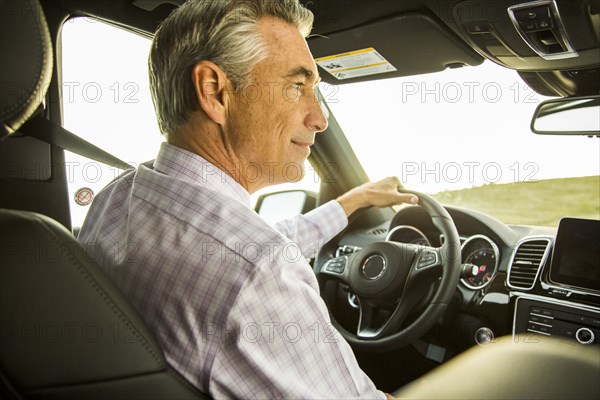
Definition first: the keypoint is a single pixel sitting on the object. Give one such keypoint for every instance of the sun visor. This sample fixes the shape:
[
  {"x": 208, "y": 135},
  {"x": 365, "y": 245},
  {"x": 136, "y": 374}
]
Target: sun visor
[{"x": 404, "y": 45}]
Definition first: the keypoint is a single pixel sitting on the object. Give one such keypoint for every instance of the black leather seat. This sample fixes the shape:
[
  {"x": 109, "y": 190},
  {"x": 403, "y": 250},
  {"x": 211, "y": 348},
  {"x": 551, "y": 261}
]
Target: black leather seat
[{"x": 66, "y": 332}]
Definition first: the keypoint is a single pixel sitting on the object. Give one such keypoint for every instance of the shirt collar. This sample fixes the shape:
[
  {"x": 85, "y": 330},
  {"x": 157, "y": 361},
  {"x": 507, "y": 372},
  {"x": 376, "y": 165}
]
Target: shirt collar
[{"x": 187, "y": 166}]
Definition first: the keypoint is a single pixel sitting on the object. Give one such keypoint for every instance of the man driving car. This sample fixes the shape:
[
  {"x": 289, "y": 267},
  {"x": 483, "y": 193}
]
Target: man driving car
[{"x": 232, "y": 299}]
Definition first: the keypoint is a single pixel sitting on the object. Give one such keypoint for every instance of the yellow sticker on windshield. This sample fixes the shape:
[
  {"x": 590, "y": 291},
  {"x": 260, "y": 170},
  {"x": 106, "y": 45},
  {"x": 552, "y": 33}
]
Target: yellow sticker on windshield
[{"x": 355, "y": 64}]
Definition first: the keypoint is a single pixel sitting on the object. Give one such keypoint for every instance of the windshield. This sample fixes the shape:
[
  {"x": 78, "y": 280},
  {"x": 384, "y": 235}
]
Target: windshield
[{"x": 463, "y": 135}]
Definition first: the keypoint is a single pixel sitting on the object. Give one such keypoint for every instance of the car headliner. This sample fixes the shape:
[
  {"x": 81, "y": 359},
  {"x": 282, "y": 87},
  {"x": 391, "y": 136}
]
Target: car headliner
[{"x": 416, "y": 36}]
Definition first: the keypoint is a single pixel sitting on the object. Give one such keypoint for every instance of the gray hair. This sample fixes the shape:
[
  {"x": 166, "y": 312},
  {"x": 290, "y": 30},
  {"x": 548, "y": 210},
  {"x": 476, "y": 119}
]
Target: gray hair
[{"x": 221, "y": 31}]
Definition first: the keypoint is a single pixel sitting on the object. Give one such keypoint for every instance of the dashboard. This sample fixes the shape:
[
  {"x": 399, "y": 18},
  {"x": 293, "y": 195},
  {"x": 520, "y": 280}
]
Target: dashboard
[
  {"x": 518, "y": 280},
  {"x": 479, "y": 254}
]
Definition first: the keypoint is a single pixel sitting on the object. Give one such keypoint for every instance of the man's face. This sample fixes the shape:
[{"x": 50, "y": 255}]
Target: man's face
[{"x": 273, "y": 122}]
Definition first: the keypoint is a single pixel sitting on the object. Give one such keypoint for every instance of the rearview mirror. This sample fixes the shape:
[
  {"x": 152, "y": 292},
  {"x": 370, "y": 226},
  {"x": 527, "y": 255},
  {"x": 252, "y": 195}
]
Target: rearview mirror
[
  {"x": 277, "y": 206},
  {"x": 568, "y": 116}
]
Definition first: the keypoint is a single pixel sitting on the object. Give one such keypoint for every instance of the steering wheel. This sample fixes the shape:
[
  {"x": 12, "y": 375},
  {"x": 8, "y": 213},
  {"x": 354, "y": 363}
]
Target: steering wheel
[{"x": 394, "y": 276}]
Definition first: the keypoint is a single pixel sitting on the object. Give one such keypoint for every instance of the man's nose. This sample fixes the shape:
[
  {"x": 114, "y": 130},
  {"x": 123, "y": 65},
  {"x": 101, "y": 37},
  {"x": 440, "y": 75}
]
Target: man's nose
[{"x": 317, "y": 119}]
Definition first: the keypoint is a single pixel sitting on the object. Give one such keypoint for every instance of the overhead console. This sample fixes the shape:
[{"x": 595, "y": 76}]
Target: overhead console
[
  {"x": 540, "y": 25},
  {"x": 542, "y": 35}
]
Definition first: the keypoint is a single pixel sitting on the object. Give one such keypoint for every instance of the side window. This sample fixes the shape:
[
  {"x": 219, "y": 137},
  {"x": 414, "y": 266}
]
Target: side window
[
  {"x": 311, "y": 181},
  {"x": 106, "y": 101}
]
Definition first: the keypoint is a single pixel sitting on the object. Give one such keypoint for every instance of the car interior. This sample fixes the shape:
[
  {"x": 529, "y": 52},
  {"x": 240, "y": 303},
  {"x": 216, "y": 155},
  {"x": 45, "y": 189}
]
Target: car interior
[{"x": 441, "y": 300}]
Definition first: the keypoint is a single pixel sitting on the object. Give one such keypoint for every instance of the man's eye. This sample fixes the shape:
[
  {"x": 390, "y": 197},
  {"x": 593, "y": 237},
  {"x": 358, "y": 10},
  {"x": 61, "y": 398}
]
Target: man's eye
[{"x": 298, "y": 85}]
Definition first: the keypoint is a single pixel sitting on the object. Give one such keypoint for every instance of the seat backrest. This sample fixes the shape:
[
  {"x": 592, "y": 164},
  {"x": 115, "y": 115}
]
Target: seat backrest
[{"x": 66, "y": 332}]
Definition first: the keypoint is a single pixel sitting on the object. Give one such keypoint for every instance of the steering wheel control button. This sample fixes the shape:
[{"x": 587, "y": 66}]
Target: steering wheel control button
[
  {"x": 336, "y": 265},
  {"x": 427, "y": 259},
  {"x": 346, "y": 249},
  {"x": 585, "y": 336},
  {"x": 373, "y": 267}
]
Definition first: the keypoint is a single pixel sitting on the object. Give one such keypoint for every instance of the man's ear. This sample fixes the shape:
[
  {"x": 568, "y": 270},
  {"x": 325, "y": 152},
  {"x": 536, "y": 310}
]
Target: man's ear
[{"x": 210, "y": 84}]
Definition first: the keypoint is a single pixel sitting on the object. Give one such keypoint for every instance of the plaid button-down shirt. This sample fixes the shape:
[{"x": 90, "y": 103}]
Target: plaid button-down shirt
[{"x": 232, "y": 299}]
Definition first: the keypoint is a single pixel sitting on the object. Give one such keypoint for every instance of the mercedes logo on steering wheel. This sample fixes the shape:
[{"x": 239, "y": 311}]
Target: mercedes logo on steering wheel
[{"x": 373, "y": 267}]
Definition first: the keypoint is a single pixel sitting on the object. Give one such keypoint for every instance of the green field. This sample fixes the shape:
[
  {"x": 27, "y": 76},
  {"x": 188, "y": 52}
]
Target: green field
[{"x": 542, "y": 202}]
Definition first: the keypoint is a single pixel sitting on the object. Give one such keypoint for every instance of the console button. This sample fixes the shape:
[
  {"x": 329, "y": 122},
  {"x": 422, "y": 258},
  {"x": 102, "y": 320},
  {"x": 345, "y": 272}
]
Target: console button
[
  {"x": 477, "y": 27},
  {"x": 583, "y": 320},
  {"x": 533, "y": 26},
  {"x": 585, "y": 336},
  {"x": 568, "y": 332},
  {"x": 540, "y": 328},
  {"x": 548, "y": 313},
  {"x": 551, "y": 40},
  {"x": 545, "y": 24},
  {"x": 533, "y": 14},
  {"x": 529, "y": 26},
  {"x": 542, "y": 320},
  {"x": 545, "y": 329}
]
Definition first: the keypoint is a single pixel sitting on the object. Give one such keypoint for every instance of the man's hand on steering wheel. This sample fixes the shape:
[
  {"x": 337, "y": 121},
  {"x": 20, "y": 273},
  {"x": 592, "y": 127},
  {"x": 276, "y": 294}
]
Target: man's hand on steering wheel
[{"x": 383, "y": 193}]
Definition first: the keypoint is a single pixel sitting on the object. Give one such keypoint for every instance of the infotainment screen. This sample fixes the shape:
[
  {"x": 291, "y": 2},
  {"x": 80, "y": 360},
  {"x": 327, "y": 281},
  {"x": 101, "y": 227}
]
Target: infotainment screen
[{"x": 576, "y": 255}]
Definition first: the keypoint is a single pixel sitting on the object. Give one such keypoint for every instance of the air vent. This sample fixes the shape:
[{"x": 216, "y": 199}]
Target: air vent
[
  {"x": 379, "y": 231},
  {"x": 526, "y": 263}
]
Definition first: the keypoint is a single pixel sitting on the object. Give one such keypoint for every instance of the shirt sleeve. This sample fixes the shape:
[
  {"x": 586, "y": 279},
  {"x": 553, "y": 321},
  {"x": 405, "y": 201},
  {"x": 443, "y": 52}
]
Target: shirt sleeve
[
  {"x": 286, "y": 346},
  {"x": 315, "y": 228}
]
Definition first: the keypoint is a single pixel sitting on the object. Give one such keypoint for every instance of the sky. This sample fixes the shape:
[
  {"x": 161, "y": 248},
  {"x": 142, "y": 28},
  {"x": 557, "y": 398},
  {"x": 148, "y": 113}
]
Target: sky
[{"x": 443, "y": 131}]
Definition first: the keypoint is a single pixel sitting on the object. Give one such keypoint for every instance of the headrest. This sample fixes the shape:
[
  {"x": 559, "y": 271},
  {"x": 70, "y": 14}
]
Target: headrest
[{"x": 25, "y": 62}]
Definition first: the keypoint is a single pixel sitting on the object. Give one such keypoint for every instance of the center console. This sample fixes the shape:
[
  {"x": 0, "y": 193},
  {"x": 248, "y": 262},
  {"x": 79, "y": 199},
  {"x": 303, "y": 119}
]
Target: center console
[
  {"x": 536, "y": 315},
  {"x": 566, "y": 299}
]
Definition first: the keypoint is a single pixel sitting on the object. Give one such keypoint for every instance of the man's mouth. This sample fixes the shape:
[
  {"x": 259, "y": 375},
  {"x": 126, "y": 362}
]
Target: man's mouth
[{"x": 303, "y": 144}]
